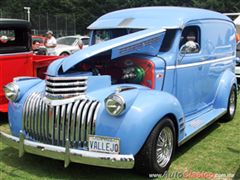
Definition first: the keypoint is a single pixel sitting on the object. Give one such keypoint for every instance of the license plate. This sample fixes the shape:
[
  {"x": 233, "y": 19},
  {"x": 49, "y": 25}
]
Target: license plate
[{"x": 104, "y": 144}]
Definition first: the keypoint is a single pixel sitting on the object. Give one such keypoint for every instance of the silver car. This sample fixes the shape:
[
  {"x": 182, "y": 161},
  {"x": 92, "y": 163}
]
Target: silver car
[{"x": 69, "y": 44}]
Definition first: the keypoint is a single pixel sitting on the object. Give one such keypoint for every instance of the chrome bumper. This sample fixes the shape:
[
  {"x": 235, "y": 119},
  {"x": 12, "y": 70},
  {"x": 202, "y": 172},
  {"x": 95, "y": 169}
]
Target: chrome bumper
[{"x": 67, "y": 154}]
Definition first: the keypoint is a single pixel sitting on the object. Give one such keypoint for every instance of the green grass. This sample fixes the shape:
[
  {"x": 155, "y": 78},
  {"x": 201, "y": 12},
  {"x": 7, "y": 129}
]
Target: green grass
[{"x": 215, "y": 150}]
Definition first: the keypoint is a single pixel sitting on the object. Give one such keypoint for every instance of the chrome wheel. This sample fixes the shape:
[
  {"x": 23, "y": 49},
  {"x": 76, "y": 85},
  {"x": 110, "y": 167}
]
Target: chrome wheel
[
  {"x": 164, "y": 146},
  {"x": 232, "y": 103}
]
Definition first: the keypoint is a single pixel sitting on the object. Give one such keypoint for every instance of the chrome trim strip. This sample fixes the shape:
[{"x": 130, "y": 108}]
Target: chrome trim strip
[
  {"x": 52, "y": 122},
  {"x": 79, "y": 120},
  {"x": 31, "y": 107},
  {"x": 200, "y": 63},
  {"x": 94, "y": 119},
  {"x": 90, "y": 118},
  {"x": 84, "y": 123},
  {"x": 62, "y": 90},
  {"x": 57, "y": 127},
  {"x": 45, "y": 122},
  {"x": 63, "y": 118},
  {"x": 77, "y": 83},
  {"x": 80, "y": 78},
  {"x": 200, "y": 129},
  {"x": 36, "y": 113},
  {"x": 40, "y": 127},
  {"x": 69, "y": 114},
  {"x": 62, "y": 101},
  {"x": 121, "y": 161},
  {"x": 25, "y": 115},
  {"x": 73, "y": 124}
]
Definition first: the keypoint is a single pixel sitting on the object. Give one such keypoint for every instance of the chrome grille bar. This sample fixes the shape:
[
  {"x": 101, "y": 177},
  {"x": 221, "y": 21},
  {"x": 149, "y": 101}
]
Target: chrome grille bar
[
  {"x": 65, "y": 87},
  {"x": 78, "y": 83},
  {"x": 78, "y": 78},
  {"x": 59, "y": 90},
  {"x": 56, "y": 124},
  {"x": 73, "y": 125}
]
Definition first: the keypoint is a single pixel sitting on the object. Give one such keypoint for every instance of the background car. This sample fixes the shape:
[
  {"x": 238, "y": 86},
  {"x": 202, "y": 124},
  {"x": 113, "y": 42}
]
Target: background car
[
  {"x": 237, "y": 69},
  {"x": 69, "y": 44},
  {"x": 16, "y": 55}
]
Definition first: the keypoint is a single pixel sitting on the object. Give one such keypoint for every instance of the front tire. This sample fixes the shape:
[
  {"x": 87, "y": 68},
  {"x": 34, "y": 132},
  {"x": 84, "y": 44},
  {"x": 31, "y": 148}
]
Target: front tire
[
  {"x": 232, "y": 104},
  {"x": 157, "y": 153}
]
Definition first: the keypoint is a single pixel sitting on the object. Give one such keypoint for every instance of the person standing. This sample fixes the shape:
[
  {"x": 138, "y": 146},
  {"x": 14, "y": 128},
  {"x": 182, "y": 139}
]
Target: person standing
[{"x": 50, "y": 43}]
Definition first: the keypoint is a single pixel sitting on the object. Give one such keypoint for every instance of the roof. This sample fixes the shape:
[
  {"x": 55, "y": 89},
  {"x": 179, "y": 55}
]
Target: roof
[
  {"x": 150, "y": 17},
  {"x": 14, "y": 23}
]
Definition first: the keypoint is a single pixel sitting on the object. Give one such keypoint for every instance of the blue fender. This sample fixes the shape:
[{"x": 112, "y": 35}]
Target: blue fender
[
  {"x": 135, "y": 125},
  {"x": 227, "y": 80},
  {"x": 15, "y": 110}
]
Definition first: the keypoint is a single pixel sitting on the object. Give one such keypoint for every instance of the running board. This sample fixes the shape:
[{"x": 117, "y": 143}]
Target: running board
[{"x": 196, "y": 125}]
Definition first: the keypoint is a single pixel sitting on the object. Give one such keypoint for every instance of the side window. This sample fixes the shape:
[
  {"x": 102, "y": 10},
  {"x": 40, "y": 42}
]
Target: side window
[
  {"x": 85, "y": 41},
  {"x": 168, "y": 40},
  {"x": 190, "y": 40}
]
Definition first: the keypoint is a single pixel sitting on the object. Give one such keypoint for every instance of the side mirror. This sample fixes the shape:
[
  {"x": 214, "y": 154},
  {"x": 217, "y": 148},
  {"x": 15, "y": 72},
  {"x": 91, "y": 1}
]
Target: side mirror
[{"x": 189, "y": 47}]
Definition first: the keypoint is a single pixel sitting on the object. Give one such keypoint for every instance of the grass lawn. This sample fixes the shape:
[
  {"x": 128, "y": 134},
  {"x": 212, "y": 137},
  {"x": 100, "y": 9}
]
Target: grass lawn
[{"x": 215, "y": 150}]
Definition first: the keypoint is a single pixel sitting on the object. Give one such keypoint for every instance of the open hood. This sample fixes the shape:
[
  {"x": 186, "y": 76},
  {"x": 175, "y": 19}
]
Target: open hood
[{"x": 146, "y": 42}]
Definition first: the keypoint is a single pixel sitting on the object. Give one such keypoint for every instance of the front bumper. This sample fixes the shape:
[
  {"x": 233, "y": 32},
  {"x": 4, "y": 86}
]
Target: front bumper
[{"x": 67, "y": 154}]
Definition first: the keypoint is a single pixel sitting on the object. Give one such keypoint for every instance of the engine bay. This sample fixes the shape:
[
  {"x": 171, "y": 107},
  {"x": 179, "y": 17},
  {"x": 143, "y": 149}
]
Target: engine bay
[{"x": 122, "y": 70}]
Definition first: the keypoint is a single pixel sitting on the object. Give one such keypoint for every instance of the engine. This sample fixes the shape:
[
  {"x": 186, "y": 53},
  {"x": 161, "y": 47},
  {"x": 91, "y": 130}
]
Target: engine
[{"x": 124, "y": 70}]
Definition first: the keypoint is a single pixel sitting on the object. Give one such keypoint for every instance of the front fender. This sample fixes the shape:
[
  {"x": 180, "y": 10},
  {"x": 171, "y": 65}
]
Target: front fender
[
  {"x": 15, "y": 110},
  {"x": 134, "y": 126}
]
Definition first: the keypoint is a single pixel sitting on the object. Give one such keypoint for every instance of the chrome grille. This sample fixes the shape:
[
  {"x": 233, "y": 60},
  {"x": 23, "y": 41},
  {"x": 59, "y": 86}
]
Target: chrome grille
[
  {"x": 54, "y": 125},
  {"x": 65, "y": 87}
]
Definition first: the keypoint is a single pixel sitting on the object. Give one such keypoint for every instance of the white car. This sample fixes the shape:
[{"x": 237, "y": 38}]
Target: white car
[{"x": 69, "y": 44}]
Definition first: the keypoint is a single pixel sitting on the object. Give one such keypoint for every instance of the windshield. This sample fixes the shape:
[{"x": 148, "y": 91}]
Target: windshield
[
  {"x": 66, "y": 41},
  {"x": 40, "y": 40},
  {"x": 107, "y": 34},
  {"x": 14, "y": 40}
]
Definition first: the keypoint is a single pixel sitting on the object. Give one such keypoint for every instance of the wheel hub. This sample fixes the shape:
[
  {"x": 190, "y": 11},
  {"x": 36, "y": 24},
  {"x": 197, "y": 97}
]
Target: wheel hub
[{"x": 164, "y": 146}]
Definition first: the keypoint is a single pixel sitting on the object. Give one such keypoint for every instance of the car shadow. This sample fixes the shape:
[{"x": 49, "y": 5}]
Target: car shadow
[
  {"x": 50, "y": 168},
  {"x": 3, "y": 118},
  {"x": 196, "y": 139},
  {"x": 45, "y": 167}
]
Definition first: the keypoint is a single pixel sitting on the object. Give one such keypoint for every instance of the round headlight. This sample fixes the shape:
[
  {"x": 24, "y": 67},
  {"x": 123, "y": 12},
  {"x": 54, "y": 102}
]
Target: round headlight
[
  {"x": 11, "y": 91},
  {"x": 115, "y": 104}
]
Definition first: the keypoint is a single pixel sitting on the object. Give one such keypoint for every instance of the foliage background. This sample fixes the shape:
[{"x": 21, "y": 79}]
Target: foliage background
[{"x": 67, "y": 15}]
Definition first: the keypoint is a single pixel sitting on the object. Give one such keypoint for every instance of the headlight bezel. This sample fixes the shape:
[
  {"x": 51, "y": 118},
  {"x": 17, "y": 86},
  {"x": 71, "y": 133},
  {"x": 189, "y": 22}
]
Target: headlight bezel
[
  {"x": 119, "y": 102},
  {"x": 11, "y": 91}
]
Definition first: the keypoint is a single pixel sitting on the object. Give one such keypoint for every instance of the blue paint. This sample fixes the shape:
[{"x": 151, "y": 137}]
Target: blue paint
[{"x": 193, "y": 88}]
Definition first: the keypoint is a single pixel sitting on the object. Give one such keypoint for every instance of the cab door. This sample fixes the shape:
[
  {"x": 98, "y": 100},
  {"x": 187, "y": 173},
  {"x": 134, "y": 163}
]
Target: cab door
[{"x": 189, "y": 73}]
